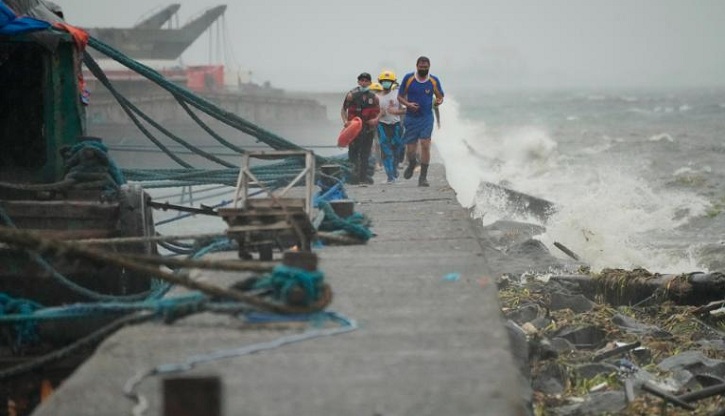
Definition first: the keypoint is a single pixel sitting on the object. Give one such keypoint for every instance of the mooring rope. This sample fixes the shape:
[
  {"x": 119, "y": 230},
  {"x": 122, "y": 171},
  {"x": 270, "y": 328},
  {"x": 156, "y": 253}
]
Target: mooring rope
[{"x": 140, "y": 401}]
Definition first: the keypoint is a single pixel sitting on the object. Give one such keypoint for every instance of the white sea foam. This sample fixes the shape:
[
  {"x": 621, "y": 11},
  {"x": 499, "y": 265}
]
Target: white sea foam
[
  {"x": 683, "y": 171},
  {"x": 662, "y": 136},
  {"x": 604, "y": 208},
  {"x": 638, "y": 110}
]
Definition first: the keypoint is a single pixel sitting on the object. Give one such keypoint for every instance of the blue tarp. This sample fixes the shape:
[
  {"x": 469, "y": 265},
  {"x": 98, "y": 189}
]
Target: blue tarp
[{"x": 11, "y": 24}]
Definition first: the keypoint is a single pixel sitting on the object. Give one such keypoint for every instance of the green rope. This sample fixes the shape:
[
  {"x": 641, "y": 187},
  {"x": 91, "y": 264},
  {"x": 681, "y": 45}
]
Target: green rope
[
  {"x": 356, "y": 224},
  {"x": 85, "y": 169},
  {"x": 284, "y": 279},
  {"x": 188, "y": 99},
  {"x": 206, "y": 127},
  {"x": 125, "y": 102},
  {"x": 101, "y": 76},
  {"x": 161, "y": 178},
  {"x": 202, "y": 104}
]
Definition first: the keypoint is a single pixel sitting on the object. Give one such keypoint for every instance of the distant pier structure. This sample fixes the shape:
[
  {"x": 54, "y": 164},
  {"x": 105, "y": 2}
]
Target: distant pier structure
[{"x": 150, "y": 42}]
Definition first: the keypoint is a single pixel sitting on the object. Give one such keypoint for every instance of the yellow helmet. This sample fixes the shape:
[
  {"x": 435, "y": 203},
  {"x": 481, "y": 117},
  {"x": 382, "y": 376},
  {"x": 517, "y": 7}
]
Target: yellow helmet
[
  {"x": 375, "y": 86},
  {"x": 387, "y": 76}
]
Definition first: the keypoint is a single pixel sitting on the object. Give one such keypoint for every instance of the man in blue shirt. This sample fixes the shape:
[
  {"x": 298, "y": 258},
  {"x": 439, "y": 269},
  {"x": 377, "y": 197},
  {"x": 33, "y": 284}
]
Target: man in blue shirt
[{"x": 417, "y": 93}]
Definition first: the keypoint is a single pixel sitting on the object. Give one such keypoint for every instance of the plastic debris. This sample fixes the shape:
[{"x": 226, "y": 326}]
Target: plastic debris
[{"x": 452, "y": 277}]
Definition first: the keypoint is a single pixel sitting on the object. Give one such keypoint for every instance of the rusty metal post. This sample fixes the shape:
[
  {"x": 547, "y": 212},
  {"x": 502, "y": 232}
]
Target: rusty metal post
[
  {"x": 192, "y": 396},
  {"x": 309, "y": 182},
  {"x": 305, "y": 260},
  {"x": 343, "y": 207},
  {"x": 331, "y": 170},
  {"x": 300, "y": 259}
]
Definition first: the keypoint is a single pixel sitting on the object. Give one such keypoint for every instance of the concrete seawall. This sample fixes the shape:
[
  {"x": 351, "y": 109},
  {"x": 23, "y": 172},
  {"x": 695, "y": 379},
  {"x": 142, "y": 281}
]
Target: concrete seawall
[{"x": 426, "y": 345}]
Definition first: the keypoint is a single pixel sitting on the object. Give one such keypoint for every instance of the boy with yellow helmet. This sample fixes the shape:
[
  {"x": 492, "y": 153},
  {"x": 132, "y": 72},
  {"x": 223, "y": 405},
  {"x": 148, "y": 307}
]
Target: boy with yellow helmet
[
  {"x": 389, "y": 127},
  {"x": 376, "y": 88}
]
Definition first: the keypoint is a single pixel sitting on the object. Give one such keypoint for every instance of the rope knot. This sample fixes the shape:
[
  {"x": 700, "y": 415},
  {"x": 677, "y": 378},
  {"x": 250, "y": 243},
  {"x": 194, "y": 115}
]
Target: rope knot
[{"x": 292, "y": 285}]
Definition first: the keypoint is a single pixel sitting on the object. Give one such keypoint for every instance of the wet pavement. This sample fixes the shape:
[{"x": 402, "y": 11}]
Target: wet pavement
[{"x": 430, "y": 339}]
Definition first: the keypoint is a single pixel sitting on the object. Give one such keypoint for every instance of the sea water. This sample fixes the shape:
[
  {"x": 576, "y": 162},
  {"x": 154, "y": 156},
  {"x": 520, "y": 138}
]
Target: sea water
[{"x": 636, "y": 176}]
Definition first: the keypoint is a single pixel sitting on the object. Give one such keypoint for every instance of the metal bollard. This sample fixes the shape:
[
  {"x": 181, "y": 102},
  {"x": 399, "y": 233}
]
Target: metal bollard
[
  {"x": 343, "y": 207},
  {"x": 302, "y": 260},
  {"x": 192, "y": 396}
]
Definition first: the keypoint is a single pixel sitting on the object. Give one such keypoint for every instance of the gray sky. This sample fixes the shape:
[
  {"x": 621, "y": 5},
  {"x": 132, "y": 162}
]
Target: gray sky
[{"x": 324, "y": 44}]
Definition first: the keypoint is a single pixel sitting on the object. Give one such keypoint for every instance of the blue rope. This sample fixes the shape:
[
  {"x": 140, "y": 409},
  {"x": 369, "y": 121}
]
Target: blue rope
[
  {"x": 26, "y": 330},
  {"x": 221, "y": 244},
  {"x": 129, "y": 389},
  {"x": 162, "y": 307},
  {"x": 333, "y": 193}
]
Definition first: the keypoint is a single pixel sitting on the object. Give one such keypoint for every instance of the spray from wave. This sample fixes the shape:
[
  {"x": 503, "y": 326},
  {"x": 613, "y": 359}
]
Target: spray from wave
[{"x": 605, "y": 211}]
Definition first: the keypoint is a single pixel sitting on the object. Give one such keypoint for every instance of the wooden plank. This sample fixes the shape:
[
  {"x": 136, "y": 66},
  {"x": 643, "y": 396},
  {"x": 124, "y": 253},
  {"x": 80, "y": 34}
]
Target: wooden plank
[
  {"x": 76, "y": 234},
  {"x": 288, "y": 203},
  {"x": 281, "y": 225},
  {"x": 261, "y": 209},
  {"x": 263, "y": 215},
  {"x": 60, "y": 209}
]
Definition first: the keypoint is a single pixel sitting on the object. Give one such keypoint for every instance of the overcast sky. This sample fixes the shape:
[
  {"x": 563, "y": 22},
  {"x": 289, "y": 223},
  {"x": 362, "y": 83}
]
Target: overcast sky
[{"x": 324, "y": 44}]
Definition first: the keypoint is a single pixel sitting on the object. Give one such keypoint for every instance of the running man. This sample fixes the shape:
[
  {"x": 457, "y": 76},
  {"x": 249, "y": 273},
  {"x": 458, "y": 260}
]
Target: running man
[{"x": 416, "y": 93}]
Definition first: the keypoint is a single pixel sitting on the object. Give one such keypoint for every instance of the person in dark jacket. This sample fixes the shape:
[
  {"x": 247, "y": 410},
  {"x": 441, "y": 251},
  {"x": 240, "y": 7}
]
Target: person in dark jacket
[{"x": 361, "y": 102}]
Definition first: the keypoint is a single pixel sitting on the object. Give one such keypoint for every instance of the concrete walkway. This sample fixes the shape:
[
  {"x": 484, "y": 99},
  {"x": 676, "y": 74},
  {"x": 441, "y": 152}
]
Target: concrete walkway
[{"x": 425, "y": 345}]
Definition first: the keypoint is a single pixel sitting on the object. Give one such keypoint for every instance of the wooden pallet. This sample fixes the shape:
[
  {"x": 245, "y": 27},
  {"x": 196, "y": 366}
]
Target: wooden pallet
[
  {"x": 275, "y": 220},
  {"x": 264, "y": 226}
]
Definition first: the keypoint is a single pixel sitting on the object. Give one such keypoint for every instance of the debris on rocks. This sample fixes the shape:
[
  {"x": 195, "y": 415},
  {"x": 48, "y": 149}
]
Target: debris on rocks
[{"x": 619, "y": 342}]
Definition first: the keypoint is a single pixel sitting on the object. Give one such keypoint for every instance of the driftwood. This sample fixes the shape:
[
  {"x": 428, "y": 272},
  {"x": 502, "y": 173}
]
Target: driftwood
[
  {"x": 703, "y": 393},
  {"x": 629, "y": 390},
  {"x": 648, "y": 387},
  {"x": 616, "y": 351},
  {"x": 566, "y": 250},
  {"x": 620, "y": 287}
]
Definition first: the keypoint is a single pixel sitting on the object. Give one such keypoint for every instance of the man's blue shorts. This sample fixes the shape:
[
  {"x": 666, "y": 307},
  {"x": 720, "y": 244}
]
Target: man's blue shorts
[{"x": 417, "y": 128}]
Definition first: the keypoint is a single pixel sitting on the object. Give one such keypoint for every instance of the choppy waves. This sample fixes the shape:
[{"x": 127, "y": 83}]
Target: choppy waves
[{"x": 612, "y": 195}]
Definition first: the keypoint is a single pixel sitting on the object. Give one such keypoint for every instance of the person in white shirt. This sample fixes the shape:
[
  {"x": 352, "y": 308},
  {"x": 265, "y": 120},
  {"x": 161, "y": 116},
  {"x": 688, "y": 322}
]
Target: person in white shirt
[{"x": 389, "y": 126}]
